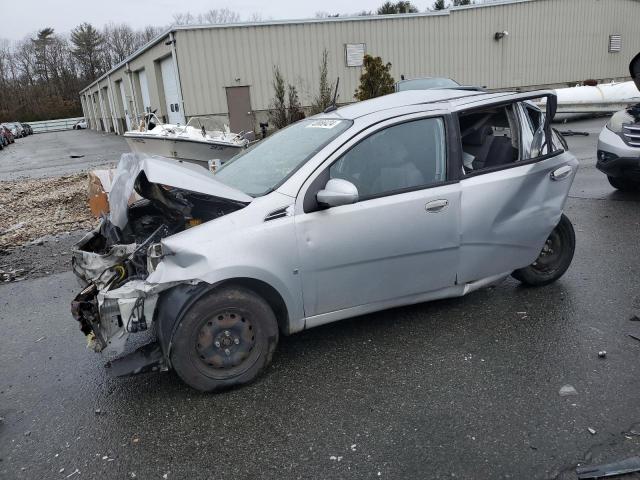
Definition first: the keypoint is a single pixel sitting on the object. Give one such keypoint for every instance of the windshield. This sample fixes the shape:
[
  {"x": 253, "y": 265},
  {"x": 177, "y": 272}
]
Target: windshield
[
  {"x": 426, "y": 84},
  {"x": 261, "y": 168}
]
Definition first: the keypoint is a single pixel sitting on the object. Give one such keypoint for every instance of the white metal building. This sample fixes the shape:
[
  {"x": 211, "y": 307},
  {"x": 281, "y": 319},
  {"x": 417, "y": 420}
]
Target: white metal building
[{"x": 227, "y": 70}]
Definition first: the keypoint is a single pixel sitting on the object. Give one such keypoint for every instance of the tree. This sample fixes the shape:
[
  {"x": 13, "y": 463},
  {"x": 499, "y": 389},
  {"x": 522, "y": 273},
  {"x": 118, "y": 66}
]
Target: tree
[
  {"x": 390, "y": 8},
  {"x": 278, "y": 111},
  {"x": 42, "y": 41},
  {"x": 294, "y": 110},
  {"x": 88, "y": 44},
  {"x": 323, "y": 98},
  {"x": 376, "y": 79},
  {"x": 439, "y": 5},
  {"x": 459, "y": 3},
  {"x": 120, "y": 42}
]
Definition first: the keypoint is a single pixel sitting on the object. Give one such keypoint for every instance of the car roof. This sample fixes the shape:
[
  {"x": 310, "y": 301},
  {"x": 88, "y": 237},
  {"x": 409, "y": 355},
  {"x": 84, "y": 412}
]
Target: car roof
[{"x": 433, "y": 99}]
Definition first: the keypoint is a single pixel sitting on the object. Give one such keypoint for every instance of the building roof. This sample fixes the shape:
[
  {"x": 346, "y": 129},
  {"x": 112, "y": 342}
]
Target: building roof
[{"x": 360, "y": 18}]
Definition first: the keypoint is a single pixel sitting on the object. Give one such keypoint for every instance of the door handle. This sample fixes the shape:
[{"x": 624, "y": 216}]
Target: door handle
[
  {"x": 436, "y": 205},
  {"x": 561, "y": 173}
]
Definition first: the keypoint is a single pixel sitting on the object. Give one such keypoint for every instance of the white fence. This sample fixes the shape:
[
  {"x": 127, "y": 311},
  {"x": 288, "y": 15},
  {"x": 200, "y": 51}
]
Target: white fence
[{"x": 54, "y": 125}]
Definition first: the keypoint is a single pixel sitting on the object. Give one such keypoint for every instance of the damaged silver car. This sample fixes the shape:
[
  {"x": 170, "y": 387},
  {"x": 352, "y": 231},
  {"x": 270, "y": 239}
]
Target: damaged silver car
[{"x": 406, "y": 198}]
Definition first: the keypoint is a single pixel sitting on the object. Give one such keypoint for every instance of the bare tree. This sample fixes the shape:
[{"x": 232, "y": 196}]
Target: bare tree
[
  {"x": 219, "y": 15},
  {"x": 183, "y": 19},
  {"x": 120, "y": 42},
  {"x": 278, "y": 110},
  {"x": 323, "y": 98}
]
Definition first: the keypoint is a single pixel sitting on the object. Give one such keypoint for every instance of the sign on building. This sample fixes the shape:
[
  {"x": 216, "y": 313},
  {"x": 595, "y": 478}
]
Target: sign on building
[{"x": 355, "y": 54}]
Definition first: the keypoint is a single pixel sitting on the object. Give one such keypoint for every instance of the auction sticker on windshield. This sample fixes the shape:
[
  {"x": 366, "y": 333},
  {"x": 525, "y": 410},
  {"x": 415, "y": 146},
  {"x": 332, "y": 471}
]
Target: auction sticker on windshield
[{"x": 323, "y": 124}]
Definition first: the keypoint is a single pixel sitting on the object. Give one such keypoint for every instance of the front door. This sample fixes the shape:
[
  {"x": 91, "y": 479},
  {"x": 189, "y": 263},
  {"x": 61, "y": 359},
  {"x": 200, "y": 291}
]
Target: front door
[
  {"x": 400, "y": 239},
  {"x": 239, "y": 105}
]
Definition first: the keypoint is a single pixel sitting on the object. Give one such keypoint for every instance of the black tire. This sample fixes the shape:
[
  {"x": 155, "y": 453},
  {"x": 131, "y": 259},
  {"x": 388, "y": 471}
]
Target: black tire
[
  {"x": 227, "y": 338},
  {"x": 554, "y": 258},
  {"x": 623, "y": 184}
]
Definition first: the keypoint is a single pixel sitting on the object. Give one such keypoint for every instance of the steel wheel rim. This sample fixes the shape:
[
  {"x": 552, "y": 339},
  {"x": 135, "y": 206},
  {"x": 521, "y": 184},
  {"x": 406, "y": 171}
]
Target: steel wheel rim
[
  {"x": 547, "y": 261},
  {"x": 225, "y": 343}
]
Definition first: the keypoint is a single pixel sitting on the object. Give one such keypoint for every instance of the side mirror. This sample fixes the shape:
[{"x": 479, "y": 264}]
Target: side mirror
[{"x": 337, "y": 192}]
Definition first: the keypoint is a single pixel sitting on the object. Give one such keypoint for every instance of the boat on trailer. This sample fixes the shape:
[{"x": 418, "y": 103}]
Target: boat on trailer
[{"x": 191, "y": 142}]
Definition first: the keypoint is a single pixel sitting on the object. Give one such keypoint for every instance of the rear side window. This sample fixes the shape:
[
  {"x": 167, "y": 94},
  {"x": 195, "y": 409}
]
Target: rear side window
[
  {"x": 401, "y": 157},
  {"x": 490, "y": 138}
]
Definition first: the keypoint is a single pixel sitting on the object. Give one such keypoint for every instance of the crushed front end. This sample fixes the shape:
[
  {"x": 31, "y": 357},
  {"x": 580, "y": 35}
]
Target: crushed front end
[{"x": 114, "y": 260}]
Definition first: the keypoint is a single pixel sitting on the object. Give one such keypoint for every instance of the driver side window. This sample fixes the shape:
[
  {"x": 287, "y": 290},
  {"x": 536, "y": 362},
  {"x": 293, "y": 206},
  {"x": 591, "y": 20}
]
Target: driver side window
[{"x": 398, "y": 158}]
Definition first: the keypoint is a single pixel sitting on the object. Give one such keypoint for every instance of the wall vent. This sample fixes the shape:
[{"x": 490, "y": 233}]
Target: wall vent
[{"x": 615, "y": 43}]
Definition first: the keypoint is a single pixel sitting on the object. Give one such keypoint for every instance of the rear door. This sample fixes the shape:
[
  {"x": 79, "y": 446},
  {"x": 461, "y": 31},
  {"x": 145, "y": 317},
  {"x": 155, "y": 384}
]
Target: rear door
[{"x": 509, "y": 208}]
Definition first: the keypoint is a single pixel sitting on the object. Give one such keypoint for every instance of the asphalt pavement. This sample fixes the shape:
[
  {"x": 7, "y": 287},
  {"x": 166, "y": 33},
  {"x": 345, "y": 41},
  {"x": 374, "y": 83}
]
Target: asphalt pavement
[
  {"x": 459, "y": 388},
  {"x": 60, "y": 153}
]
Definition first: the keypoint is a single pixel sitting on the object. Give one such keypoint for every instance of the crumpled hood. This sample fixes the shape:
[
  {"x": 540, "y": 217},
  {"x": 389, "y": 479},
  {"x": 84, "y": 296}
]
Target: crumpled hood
[{"x": 163, "y": 171}]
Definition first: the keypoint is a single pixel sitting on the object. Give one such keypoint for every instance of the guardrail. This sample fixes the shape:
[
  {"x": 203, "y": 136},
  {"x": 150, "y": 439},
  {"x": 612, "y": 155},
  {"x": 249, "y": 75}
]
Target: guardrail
[{"x": 54, "y": 125}]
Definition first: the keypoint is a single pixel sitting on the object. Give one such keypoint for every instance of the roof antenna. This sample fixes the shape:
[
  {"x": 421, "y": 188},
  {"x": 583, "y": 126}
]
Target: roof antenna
[{"x": 333, "y": 105}]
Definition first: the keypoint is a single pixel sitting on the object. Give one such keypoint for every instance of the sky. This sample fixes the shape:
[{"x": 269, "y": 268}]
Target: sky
[{"x": 63, "y": 15}]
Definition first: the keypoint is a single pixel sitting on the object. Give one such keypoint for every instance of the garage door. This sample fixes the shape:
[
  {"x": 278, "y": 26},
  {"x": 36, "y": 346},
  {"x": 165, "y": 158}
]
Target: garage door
[
  {"x": 144, "y": 90},
  {"x": 171, "y": 97},
  {"x": 124, "y": 103}
]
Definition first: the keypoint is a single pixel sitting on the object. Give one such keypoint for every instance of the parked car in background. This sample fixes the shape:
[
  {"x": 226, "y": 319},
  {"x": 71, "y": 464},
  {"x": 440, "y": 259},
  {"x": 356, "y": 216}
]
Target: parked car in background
[
  {"x": 21, "y": 131},
  {"x": 13, "y": 128},
  {"x": 81, "y": 125},
  {"x": 619, "y": 143},
  {"x": 405, "y": 198},
  {"x": 425, "y": 83},
  {"x": 27, "y": 128},
  {"x": 8, "y": 134},
  {"x": 4, "y": 141}
]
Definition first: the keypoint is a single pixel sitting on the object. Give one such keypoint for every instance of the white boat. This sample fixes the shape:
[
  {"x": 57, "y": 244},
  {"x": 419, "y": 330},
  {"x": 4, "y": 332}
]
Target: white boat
[
  {"x": 605, "y": 98},
  {"x": 188, "y": 142}
]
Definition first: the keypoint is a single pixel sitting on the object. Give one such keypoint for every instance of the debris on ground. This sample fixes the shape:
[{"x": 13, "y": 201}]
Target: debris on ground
[
  {"x": 39, "y": 207},
  {"x": 634, "y": 318},
  {"x": 630, "y": 465},
  {"x": 11, "y": 275},
  {"x": 592, "y": 431},
  {"x": 634, "y": 337},
  {"x": 602, "y": 354},
  {"x": 567, "y": 390}
]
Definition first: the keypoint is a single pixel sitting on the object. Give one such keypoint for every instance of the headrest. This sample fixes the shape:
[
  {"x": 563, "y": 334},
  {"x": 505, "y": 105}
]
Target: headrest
[{"x": 478, "y": 137}]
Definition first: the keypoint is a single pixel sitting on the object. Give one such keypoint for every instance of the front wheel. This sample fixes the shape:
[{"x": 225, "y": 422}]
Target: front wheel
[
  {"x": 623, "y": 184},
  {"x": 554, "y": 259},
  {"x": 227, "y": 338}
]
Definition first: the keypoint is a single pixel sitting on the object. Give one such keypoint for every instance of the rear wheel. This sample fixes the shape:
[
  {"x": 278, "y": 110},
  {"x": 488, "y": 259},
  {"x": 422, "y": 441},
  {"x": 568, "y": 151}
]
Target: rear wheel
[
  {"x": 225, "y": 339},
  {"x": 554, "y": 259},
  {"x": 623, "y": 184}
]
